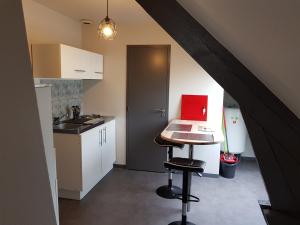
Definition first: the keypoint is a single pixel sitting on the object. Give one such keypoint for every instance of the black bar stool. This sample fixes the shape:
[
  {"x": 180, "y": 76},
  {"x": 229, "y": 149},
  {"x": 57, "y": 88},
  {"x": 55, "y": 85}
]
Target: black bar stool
[
  {"x": 168, "y": 191},
  {"x": 186, "y": 166}
]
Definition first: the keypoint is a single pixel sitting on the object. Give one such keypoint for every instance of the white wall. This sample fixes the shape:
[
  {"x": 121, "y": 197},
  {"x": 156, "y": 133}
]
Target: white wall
[
  {"x": 44, "y": 25},
  {"x": 109, "y": 96},
  {"x": 263, "y": 35}
]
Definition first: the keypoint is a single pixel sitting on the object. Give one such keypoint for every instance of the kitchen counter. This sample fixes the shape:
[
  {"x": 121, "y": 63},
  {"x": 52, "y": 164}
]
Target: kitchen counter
[{"x": 70, "y": 128}]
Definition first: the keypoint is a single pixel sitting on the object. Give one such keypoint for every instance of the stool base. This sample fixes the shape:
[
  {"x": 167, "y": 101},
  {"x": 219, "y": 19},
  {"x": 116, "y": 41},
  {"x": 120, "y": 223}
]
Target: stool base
[
  {"x": 180, "y": 223},
  {"x": 167, "y": 192}
]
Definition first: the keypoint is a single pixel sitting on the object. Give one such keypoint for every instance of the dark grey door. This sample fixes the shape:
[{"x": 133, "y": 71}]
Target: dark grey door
[{"x": 148, "y": 69}]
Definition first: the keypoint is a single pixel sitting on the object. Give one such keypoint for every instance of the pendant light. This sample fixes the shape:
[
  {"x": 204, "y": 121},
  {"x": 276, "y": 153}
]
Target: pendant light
[{"x": 107, "y": 28}]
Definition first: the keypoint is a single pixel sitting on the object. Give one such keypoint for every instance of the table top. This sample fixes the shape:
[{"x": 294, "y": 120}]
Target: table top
[{"x": 192, "y": 132}]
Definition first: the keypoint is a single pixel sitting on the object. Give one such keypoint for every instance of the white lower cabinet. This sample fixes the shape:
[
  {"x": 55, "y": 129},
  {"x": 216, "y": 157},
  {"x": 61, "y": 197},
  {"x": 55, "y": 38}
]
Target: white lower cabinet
[
  {"x": 91, "y": 158},
  {"x": 108, "y": 147},
  {"x": 83, "y": 160}
]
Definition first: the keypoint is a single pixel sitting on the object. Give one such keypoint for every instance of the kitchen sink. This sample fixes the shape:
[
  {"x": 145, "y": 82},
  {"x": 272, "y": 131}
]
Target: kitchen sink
[
  {"x": 67, "y": 126},
  {"x": 77, "y": 121},
  {"x": 82, "y": 119}
]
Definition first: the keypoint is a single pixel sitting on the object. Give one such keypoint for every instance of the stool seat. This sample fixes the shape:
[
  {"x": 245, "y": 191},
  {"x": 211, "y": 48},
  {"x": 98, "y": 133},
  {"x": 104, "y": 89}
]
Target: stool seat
[
  {"x": 187, "y": 166},
  {"x": 183, "y": 164},
  {"x": 168, "y": 191},
  {"x": 164, "y": 143}
]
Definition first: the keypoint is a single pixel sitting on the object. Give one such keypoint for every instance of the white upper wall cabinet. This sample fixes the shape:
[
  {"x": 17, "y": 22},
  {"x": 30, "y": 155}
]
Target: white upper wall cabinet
[{"x": 63, "y": 61}]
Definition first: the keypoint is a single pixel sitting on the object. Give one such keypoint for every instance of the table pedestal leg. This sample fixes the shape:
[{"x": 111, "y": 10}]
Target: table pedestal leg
[{"x": 191, "y": 156}]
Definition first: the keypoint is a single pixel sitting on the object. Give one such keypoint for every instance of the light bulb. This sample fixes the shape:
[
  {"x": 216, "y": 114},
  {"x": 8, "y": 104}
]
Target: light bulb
[{"x": 107, "y": 31}]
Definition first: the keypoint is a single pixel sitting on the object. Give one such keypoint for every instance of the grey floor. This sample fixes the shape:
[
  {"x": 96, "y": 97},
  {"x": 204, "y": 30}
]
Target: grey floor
[{"x": 126, "y": 197}]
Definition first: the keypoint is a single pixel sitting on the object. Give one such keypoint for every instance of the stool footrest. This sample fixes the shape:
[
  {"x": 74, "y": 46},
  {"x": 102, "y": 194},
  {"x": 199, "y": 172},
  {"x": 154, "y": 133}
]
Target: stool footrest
[
  {"x": 191, "y": 198},
  {"x": 184, "y": 164},
  {"x": 181, "y": 223},
  {"x": 199, "y": 174}
]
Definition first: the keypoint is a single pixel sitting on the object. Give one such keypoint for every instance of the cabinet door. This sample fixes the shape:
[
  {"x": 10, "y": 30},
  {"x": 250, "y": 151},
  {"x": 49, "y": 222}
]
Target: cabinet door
[
  {"x": 109, "y": 147},
  {"x": 96, "y": 65},
  {"x": 73, "y": 63},
  {"x": 91, "y": 158}
]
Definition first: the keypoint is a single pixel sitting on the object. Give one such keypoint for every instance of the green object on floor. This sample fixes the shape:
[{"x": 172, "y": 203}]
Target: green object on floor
[{"x": 225, "y": 134}]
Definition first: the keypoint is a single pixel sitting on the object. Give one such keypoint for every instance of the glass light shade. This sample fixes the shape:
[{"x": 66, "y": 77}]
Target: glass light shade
[{"x": 107, "y": 29}]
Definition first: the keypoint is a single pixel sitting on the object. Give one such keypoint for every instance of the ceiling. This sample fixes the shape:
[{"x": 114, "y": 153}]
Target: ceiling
[{"x": 121, "y": 11}]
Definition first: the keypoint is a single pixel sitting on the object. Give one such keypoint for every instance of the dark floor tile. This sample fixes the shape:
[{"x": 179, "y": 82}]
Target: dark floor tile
[{"x": 126, "y": 197}]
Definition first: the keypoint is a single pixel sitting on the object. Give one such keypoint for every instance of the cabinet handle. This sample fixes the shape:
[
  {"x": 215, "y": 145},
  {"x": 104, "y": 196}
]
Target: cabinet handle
[
  {"x": 82, "y": 71},
  {"x": 101, "y": 138},
  {"x": 98, "y": 72},
  {"x": 104, "y": 134}
]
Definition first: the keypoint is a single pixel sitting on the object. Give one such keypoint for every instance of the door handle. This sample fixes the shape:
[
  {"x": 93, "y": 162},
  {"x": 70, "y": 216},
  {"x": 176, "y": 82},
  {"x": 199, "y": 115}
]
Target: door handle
[{"x": 162, "y": 111}]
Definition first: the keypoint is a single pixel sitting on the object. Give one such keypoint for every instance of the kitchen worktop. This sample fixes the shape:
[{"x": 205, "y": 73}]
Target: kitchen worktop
[{"x": 70, "y": 128}]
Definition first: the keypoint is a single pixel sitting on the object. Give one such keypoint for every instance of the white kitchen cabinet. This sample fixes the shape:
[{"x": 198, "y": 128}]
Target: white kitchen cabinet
[
  {"x": 63, "y": 61},
  {"x": 91, "y": 158},
  {"x": 108, "y": 147},
  {"x": 73, "y": 62},
  {"x": 43, "y": 96},
  {"x": 96, "y": 67},
  {"x": 84, "y": 159}
]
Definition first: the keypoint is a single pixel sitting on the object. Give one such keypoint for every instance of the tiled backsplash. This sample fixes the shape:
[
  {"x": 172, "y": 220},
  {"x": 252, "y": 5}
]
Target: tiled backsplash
[{"x": 65, "y": 94}]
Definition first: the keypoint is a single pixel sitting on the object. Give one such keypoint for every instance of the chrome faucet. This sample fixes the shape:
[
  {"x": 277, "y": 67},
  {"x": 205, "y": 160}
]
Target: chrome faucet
[{"x": 56, "y": 120}]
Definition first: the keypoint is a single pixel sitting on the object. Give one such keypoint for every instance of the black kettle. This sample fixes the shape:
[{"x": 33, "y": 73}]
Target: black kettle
[{"x": 76, "y": 112}]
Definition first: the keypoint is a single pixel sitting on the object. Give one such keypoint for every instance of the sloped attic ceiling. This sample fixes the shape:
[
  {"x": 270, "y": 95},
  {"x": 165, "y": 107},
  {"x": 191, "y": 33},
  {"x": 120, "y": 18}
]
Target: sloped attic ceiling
[{"x": 263, "y": 35}]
